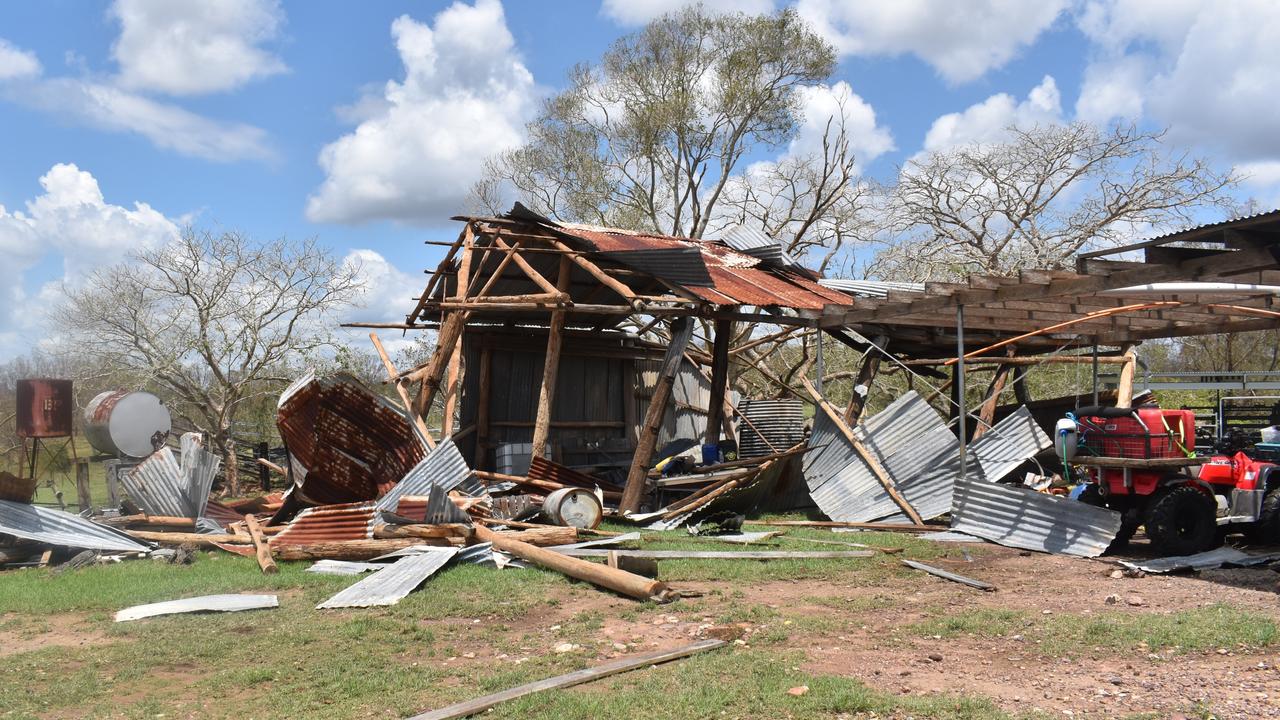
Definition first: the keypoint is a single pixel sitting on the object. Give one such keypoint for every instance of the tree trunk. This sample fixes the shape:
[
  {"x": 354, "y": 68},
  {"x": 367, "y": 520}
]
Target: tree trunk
[{"x": 231, "y": 469}]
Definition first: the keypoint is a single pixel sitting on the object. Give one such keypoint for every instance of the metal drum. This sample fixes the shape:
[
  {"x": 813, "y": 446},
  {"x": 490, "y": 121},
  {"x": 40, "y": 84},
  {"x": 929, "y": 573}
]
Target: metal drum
[
  {"x": 573, "y": 507},
  {"x": 44, "y": 408},
  {"x": 126, "y": 424}
]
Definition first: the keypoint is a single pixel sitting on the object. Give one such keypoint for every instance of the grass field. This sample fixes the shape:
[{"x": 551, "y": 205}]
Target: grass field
[{"x": 472, "y": 630}]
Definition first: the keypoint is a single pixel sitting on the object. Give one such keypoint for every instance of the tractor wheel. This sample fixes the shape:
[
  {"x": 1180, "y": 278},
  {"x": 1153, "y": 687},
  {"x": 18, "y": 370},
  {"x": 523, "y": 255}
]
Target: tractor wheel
[
  {"x": 1182, "y": 521},
  {"x": 1266, "y": 531},
  {"x": 1092, "y": 495}
]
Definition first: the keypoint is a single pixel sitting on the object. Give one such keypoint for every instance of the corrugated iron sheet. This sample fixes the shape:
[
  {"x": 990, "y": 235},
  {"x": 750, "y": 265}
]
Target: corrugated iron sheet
[
  {"x": 1218, "y": 557},
  {"x": 1022, "y": 518},
  {"x": 441, "y": 509},
  {"x": 870, "y": 288},
  {"x": 754, "y": 242},
  {"x": 163, "y": 485},
  {"x": 330, "y": 523},
  {"x": 62, "y": 529},
  {"x": 681, "y": 266},
  {"x": 391, "y": 584},
  {"x": 205, "y": 603},
  {"x": 918, "y": 451},
  {"x": 740, "y": 500},
  {"x": 343, "y": 567},
  {"x": 1009, "y": 443},
  {"x": 840, "y": 482},
  {"x": 736, "y": 278},
  {"x": 444, "y": 468},
  {"x": 353, "y": 444},
  {"x": 540, "y": 468},
  {"x": 776, "y": 423}
]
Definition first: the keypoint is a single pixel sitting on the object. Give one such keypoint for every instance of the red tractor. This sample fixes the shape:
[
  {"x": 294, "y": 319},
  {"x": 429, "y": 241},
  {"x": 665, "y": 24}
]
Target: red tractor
[{"x": 1140, "y": 462}]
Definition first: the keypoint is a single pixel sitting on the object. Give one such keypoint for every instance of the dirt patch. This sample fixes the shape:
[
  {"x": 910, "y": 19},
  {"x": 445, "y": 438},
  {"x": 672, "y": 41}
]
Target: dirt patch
[{"x": 24, "y": 633}]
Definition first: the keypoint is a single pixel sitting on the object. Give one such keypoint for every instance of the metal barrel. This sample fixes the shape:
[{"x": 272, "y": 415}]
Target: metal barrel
[
  {"x": 573, "y": 507},
  {"x": 126, "y": 423}
]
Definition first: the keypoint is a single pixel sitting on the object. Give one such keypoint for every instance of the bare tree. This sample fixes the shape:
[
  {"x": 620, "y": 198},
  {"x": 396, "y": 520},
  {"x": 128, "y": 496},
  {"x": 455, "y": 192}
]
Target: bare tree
[
  {"x": 651, "y": 137},
  {"x": 209, "y": 319},
  {"x": 1037, "y": 199}
]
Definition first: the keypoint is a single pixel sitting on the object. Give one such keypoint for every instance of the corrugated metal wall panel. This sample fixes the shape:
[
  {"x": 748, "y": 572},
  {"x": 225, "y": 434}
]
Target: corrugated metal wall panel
[
  {"x": 779, "y": 423},
  {"x": 54, "y": 527},
  {"x": 1009, "y": 443},
  {"x": 1022, "y": 518}
]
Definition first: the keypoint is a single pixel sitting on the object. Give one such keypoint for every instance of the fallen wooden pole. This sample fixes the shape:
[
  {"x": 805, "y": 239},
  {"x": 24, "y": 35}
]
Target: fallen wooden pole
[
  {"x": 184, "y": 538},
  {"x": 346, "y": 549},
  {"x": 885, "y": 527},
  {"x": 620, "y": 581},
  {"x": 156, "y": 520},
  {"x": 480, "y": 704},
  {"x": 947, "y": 575},
  {"x": 720, "y": 554},
  {"x": 261, "y": 549}
]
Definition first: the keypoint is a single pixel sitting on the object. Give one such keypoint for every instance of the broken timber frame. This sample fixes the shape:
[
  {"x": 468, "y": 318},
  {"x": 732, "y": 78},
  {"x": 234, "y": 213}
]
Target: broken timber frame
[{"x": 681, "y": 331}]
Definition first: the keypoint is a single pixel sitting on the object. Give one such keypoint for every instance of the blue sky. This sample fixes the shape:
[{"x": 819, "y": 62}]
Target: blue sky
[{"x": 363, "y": 124}]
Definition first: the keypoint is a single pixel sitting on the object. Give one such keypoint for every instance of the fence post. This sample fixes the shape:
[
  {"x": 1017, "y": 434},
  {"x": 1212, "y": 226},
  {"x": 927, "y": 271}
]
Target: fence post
[
  {"x": 264, "y": 475},
  {"x": 82, "y": 485},
  {"x": 113, "y": 480}
]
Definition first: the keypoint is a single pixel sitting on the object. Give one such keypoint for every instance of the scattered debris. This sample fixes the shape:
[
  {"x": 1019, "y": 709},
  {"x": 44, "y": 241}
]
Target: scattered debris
[
  {"x": 720, "y": 554},
  {"x": 62, "y": 529},
  {"x": 344, "y": 567},
  {"x": 479, "y": 705},
  {"x": 1220, "y": 557},
  {"x": 953, "y": 577},
  {"x": 798, "y": 690},
  {"x": 204, "y": 603}
]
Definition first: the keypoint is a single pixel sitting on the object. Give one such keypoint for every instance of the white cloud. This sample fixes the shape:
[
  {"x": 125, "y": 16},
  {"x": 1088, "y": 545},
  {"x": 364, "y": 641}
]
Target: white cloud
[
  {"x": 72, "y": 219},
  {"x": 639, "y": 12},
  {"x": 387, "y": 296},
  {"x": 987, "y": 121},
  {"x": 1205, "y": 69},
  {"x": 187, "y": 48},
  {"x": 16, "y": 62},
  {"x": 166, "y": 125},
  {"x": 821, "y": 103},
  {"x": 466, "y": 95},
  {"x": 961, "y": 40}
]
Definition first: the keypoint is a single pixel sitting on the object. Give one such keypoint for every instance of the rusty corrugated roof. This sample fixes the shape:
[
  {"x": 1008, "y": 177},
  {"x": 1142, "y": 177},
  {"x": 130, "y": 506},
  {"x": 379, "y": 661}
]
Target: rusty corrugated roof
[
  {"x": 331, "y": 523},
  {"x": 353, "y": 444},
  {"x": 736, "y": 278}
]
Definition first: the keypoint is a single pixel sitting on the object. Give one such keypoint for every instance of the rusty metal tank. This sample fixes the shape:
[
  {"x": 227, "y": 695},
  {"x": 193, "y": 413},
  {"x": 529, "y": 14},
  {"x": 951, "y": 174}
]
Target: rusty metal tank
[
  {"x": 45, "y": 408},
  {"x": 126, "y": 423}
]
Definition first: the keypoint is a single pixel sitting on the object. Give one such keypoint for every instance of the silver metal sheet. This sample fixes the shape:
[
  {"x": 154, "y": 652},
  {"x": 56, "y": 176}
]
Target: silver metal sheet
[
  {"x": 1009, "y": 443},
  {"x": 343, "y": 567},
  {"x": 600, "y": 542},
  {"x": 1021, "y": 518},
  {"x": 840, "y": 482},
  {"x": 1217, "y": 557},
  {"x": 164, "y": 485},
  {"x": 62, "y": 529},
  {"x": 391, "y": 584},
  {"x": 754, "y": 242},
  {"x": 444, "y": 468},
  {"x": 870, "y": 288},
  {"x": 204, "y": 603}
]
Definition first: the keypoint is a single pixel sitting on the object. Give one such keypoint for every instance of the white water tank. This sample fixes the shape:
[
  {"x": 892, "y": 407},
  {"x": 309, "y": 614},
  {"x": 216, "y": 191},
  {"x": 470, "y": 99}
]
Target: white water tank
[{"x": 126, "y": 423}]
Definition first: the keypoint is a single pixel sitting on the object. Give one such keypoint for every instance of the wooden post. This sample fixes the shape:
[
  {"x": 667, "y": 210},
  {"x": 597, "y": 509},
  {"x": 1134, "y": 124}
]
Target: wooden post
[
  {"x": 1124, "y": 393},
  {"x": 82, "y": 486},
  {"x": 551, "y": 366},
  {"x": 870, "y": 459},
  {"x": 113, "y": 483},
  {"x": 866, "y": 373},
  {"x": 987, "y": 412},
  {"x": 400, "y": 388},
  {"x": 681, "y": 331},
  {"x": 260, "y": 546},
  {"x": 455, "y": 358},
  {"x": 264, "y": 473},
  {"x": 482, "y": 409},
  {"x": 719, "y": 379}
]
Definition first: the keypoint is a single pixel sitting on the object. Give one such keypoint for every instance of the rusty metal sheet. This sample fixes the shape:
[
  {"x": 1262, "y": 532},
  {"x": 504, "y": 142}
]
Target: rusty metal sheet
[
  {"x": 330, "y": 523},
  {"x": 541, "y": 468},
  {"x": 736, "y": 278},
  {"x": 352, "y": 444}
]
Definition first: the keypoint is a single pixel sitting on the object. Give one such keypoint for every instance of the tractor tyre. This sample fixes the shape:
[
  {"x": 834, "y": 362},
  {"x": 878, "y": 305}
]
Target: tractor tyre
[
  {"x": 1092, "y": 495},
  {"x": 1266, "y": 530},
  {"x": 1182, "y": 521}
]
